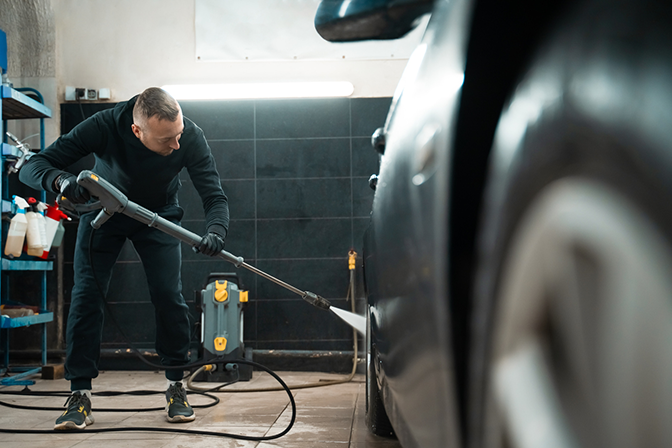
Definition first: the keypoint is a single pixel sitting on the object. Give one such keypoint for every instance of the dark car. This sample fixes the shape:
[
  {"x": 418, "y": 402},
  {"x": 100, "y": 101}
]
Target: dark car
[{"x": 518, "y": 264}]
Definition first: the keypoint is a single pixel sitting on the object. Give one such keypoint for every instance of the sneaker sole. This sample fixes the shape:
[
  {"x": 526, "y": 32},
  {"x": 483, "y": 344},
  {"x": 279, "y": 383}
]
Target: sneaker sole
[
  {"x": 71, "y": 426},
  {"x": 181, "y": 418}
]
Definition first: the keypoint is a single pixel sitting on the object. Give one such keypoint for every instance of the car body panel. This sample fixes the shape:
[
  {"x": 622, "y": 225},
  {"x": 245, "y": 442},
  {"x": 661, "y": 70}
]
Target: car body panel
[{"x": 409, "y": 236}]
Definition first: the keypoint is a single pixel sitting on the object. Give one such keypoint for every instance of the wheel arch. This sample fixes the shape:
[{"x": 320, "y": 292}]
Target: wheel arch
[{"x": 503, "y": 37}]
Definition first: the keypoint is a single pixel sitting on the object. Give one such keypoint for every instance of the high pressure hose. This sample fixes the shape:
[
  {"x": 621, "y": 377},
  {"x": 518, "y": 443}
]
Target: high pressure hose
[
  {"x": 352, "y": 257},
  {"x": 312, "y": 298},
  {"x": 157, "y": 366}
]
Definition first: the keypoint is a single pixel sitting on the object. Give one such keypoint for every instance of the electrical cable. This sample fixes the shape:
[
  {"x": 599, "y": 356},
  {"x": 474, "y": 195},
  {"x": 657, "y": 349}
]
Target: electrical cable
[{"x": 31, "y": 393}]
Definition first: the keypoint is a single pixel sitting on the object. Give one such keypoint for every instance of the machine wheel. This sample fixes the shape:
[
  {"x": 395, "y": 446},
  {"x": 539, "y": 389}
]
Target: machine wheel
[
  {"x": 573, "y": 306},
  {"x": 376, "y": 417}
]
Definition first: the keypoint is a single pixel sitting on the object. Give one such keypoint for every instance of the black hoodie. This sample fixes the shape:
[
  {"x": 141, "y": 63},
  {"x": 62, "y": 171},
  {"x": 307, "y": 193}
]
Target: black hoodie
[{"x": 145, "y": 177}]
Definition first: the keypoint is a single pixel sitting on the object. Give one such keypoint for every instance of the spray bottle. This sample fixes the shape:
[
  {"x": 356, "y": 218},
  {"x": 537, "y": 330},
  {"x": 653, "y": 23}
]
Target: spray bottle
[
  {"x": 36, "y": 234},
  {"x": 58, "y": 237},
  {"x": 53, "y": 218},
  {"x": 17, "y": 229}
]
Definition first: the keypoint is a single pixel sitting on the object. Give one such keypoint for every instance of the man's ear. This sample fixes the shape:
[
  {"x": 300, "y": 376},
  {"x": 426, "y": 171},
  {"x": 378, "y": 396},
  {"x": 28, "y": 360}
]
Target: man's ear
[{"x": 136, "y": 129}]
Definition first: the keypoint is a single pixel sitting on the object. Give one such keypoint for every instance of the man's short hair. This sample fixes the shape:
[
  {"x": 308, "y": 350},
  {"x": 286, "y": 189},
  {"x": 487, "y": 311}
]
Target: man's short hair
[{"x": 155, "y": 102}]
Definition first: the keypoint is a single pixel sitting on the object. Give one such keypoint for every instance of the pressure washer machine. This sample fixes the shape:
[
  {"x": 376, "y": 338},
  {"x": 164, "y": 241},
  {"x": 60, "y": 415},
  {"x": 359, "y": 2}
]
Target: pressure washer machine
[{"x": 221, "y": 304}]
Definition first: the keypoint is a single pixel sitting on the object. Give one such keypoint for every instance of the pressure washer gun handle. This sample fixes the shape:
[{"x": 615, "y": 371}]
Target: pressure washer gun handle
[
  {"x": 114, "y": 201},
  {"x": 101, "y": 219},
  {"x": 71, "y": 209},
  {"x": 111, "y": 199}
]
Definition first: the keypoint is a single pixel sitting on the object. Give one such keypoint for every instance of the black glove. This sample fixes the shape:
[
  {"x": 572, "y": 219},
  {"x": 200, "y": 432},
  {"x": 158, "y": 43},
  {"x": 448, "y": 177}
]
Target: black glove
[
  {"x": 67, "y": 184},
  {"x": 211, "y": 244}
]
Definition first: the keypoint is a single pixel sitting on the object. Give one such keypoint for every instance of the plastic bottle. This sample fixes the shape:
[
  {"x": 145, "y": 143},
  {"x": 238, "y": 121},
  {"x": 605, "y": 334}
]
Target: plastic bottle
[
  {"x": 58, "y": 237},
  {"x": 17, "y": 229},
  {"x": 36, "y": 234},
  {"x": 53, "y": 218}
]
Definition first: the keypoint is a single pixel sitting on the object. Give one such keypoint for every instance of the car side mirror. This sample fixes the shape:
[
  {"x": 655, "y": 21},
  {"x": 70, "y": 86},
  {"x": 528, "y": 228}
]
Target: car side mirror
[{"x": 356, "y": 20}]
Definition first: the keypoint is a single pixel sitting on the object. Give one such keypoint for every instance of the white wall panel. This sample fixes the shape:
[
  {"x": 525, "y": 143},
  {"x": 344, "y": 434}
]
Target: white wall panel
[{"x": 272, "y": 30}]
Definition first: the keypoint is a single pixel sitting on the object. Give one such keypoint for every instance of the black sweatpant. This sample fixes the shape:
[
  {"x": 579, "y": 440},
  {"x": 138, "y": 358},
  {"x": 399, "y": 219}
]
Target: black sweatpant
[{"x": 161, "y": 258}]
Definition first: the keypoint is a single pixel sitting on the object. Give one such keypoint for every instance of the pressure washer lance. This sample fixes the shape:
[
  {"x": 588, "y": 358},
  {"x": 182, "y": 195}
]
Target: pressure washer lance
[{"x": 114, "y": 201}]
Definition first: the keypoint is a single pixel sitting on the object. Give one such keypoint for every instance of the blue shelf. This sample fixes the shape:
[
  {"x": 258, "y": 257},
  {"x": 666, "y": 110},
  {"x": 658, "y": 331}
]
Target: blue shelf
[
  {"x": 10, "y": 150},
  {"x": 42, "y": 317},
  {"x": 26, "y": 265},
  {"x": 16, "y": 105},
  {"x": 16, "y": 322}
]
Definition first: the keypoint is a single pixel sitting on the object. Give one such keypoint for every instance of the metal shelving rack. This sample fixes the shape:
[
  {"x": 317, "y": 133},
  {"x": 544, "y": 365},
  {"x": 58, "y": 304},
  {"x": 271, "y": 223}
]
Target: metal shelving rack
[{"x": 16, "y": 105}]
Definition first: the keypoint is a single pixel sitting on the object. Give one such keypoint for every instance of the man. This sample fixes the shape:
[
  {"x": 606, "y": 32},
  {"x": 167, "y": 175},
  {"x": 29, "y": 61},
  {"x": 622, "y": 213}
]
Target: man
[{"x": 140, "y": 146}]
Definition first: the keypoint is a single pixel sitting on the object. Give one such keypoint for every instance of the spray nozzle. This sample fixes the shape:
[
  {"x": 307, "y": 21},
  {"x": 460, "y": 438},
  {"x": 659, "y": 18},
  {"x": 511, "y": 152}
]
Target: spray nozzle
[
  {"x": 21, "y": 203},
  {"x": 316, "y": 300},
  {"x": 55, "y": 213}
]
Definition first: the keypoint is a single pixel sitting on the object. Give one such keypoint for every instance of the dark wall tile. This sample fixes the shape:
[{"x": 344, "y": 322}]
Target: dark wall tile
[
  {"x": 303, "y": 238},
  {"x": 365, "y": 161},
  {"x": 328, "y": 278},
  {"x": 250, "y": 324},
  {"x": 293, "y": 320},
  {"x": 241, "y": 197},
  {"x": 362, "y": 197},
  {"x": 234, "y": 159},
  {"x": 240, "y": 194},
  {"x": 303, "y": 198},
  {"x": 222, "y": 119},
  {"x": 303, "y": 158},
  {"x": 74, "y": 113},
  {"x": 302, "y": 118},
  {"x": 241, "y": 239},
  {"x": 359, "y": 226},
  {"x": 368, "y": 114}
]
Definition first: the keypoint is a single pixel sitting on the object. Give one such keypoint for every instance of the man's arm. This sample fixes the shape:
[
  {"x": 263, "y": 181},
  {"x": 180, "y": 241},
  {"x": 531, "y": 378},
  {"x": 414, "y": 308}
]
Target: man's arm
[
  {"x": 42, "y": 170},
  {"x": 204, "y": 175}
]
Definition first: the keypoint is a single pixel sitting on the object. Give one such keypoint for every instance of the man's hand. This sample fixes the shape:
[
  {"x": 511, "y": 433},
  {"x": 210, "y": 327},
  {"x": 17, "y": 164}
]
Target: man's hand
[
  {"x": 211, "y": 244},
  {"x": 67, "y": 184}
]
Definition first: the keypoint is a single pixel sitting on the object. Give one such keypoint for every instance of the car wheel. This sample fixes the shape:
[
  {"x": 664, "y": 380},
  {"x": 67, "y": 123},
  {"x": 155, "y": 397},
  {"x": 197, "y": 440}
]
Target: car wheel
[
  {"x": 376, "y": 417},
  {"x": 573, "y": 306}
]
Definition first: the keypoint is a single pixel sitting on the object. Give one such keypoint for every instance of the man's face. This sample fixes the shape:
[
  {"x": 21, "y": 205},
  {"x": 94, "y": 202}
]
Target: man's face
[{"x": 160, "y": 136}]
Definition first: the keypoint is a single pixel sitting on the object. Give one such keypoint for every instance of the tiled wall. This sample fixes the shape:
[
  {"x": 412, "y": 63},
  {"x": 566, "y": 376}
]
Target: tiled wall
[{"x": 296, "y": 174}]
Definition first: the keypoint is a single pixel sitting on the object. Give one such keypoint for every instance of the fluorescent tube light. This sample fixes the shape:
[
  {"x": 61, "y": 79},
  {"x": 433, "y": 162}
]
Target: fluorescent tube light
[{"x": 259, "y": 90}]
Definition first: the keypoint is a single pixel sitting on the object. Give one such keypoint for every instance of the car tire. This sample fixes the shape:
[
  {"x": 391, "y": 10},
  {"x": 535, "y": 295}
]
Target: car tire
[
  {"x": 572, "y": 313},
  {"x": 376, "y": 418}
]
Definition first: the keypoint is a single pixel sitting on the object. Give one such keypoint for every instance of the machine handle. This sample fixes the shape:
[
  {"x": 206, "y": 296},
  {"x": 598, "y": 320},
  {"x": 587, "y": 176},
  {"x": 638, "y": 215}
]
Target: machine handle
[{"x": 102, "y": 217}]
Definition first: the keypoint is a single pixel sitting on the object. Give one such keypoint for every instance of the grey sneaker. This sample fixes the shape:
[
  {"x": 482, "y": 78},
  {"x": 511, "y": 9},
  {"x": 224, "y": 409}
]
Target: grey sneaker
[
  {"x": 177, "y": 406},
  {"x": 77, "y": 415}
]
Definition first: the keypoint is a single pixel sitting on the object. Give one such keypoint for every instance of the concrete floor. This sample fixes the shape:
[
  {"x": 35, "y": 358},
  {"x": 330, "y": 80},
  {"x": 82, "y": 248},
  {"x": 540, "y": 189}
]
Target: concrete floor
[{"x": 330, "y": 417}]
